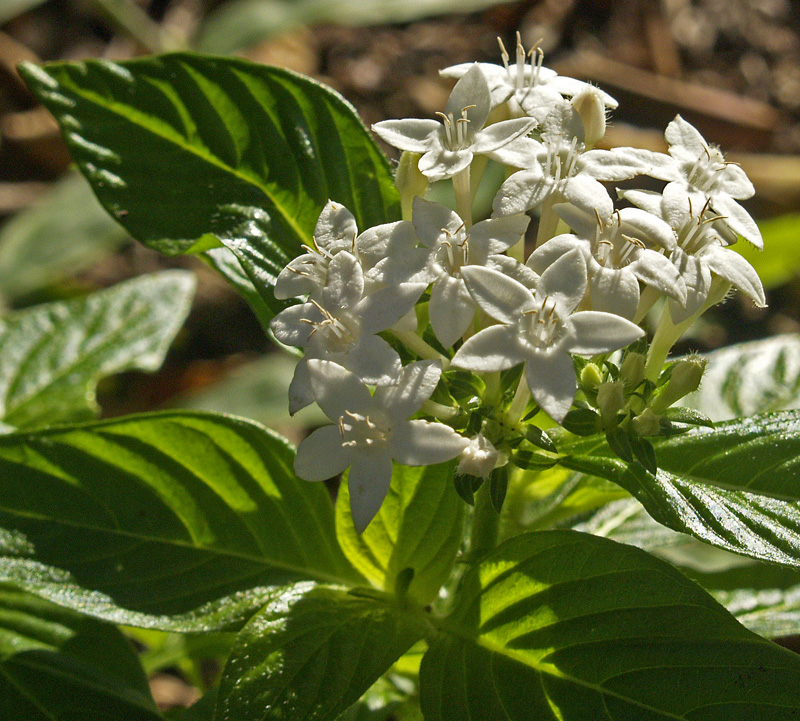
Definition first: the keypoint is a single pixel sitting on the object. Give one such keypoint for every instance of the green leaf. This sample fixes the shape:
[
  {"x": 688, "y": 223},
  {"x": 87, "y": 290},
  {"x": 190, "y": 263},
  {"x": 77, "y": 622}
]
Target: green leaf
[
  {"x": 419, "y": 526},
  {"x": 177, "y": 521},
  {"x": 53, "y": 355},
  {"x": 311, "y": 654},
  {"x": 63, "y": 233},
  {"x": 183, "y": 150},
  {"x": 570, "y": 627},
  {"x": 57, "y": 664},
  {"x": 750, "y": 378},
  {"x": 779, "y": 262}
]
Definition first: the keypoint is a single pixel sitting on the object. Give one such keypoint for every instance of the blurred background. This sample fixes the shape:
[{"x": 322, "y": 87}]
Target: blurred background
[{"x": 730, "y": 67}]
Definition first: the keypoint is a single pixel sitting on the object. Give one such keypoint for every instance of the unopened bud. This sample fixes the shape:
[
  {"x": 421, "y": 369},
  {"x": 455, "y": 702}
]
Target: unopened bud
[
  {"x": 590, "y": 106},
  {"x": 479, "y": 458},
  {"x": 631, "y": 372},
  {"x": 591, "y": 377},
  {"x": 610, "y": 399},
  {"x": 684, "y": 379},
  {"x": 646, "y": 423}
]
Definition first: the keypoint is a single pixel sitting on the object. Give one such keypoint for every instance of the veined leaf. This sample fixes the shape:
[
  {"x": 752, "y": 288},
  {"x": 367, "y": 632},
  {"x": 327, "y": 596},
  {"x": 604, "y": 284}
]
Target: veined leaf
[
  {"x": 57, "y": 664},
  {"x": 310, "y": 654},
  {"x": 53, "y": 355},
  {"x": 570, "y": 627},
  {"x": 419, "y": 526},
  {"x": 177, "y": 521},
  {"x": 186, "y": 151},
  {"x": 749, "y": 378}
]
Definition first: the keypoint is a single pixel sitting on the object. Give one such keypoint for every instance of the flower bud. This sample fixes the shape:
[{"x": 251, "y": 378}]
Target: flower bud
[
  {"x": 409, "y": 181},
  {"x": 610, "y": 399},
  {"x": 631, "y": 372},
  {"x": 479, "y": 458},
  {"x": 646, "y": 423},
  {"x": 684, "y": 379},
  {"x": 591, "y": 377},
  {"x": 590, "y": 106}
]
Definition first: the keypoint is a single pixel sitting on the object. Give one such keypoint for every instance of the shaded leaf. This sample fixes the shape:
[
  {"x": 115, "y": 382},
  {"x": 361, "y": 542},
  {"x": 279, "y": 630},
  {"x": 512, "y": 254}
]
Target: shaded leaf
[
  {"x": 311, "y": 654},
  {"x": 186, "y": 151},
  {"x": 567, "y": 626},
  {"x": 177, "y": 521},
  {"x": 53, "y": 355},
  {"x": 419, "y": 526}
]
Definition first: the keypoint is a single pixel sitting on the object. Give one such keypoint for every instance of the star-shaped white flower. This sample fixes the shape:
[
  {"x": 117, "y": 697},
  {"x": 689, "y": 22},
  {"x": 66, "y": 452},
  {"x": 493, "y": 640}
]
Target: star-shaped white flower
[
  {"x": 700, "y": 251},
  {"x": 343, "y": 326},
  {"x": 538, "y": 328},
  {"x": 617, "y": 257},
  {"x": 370, "y": 431},
  {"x": 701, "y": 172},
  {"x": 528, "y": 87},
  {"x": 447, "y": 247},
  {"x": 448, "y": 147},
  {"x": 336, "y": 231},
  {"x": 560, "y": 166}
]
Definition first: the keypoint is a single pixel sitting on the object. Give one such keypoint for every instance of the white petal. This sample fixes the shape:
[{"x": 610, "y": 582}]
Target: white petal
[
  {"x": 293, "y": 280},
  {"x": 521, "y": 152},
  {"x": 644, "y": 224},
  {"x": 382, "y": 241},
  {"x": 451, "y": 309},
  {"x": 290, "y": 326},
  {"x": 411, "y": 134},
  {"x": 383, "y": 308},
  {"x": 685, "y": 136},
  {"x": 495, "y": 235},
  {"x": 733, "y": 181},
  {"x": 471, "y": 90},
  {"x": 321, "y": 455},
  {"x": 565, "y": 280},
  {"x": 422, "y": 443},
  {"x": 335, "y": 225},
  {"x": 615, "y": 291},
  {"x": 345, "y": 284},
  {"x": 336, "y": 389},
  {"x": 647, "y": 200},
  {"x": 414, "y": 385},
  {"x": 657, "y": 271},
  {"x": 550, "y": 251},
  {"x": 373, "y": 360},
  {"x": 620, "y": 163},
  {"x": 588, "y": 194},
  {"x": 432, "y": 220},
  {"x": 597, "y": 332},
  {"x": 697, "y": 278},
  {"x": 300, "y": 393},
  {"x": 738, "y": 219},
  {"x": 493, "y": 349},
  {"x": 501, "y": 297},
  {"x": 551, "y": 379},
  {"x": 440, "y": 163},
  {"x": 512, "y": 268},
  {"x": 368, "y": 483},
  {"x": 734, "y": 268},
  {"x": 582, "y": 222},
  {"x": 499, "y": 134},
  {"x": 522, "y": 191}
]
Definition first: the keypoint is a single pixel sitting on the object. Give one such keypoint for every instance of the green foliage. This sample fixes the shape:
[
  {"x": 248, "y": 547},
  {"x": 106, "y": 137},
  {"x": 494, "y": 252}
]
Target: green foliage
[
  {"x": 418, "y": 527},
  {"x": 200, "y": 520},
  {"x": 53, "y": 355},
  {"x": 311, "y": 653},
  {"x": 58, "y": 664},
  {"x": 780, "y": 260},
  {"x": 247, "y": 155},
  {"x": 562, "y": 625}
]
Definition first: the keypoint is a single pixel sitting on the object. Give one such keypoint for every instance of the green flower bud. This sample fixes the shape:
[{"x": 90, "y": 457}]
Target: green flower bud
[
  {"x": 631, "y": 372},
  {"x": 646, "y": 423},
  {"x": 591, "y": 377},
  {"x": 684, "y": 379},
  {"x": 610, "y": 400}
]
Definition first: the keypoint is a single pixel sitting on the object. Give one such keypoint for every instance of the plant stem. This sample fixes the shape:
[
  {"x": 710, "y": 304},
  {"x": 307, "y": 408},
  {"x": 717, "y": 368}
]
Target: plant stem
[
  {"x": 461, "y": 187},
  {"x": 517, "y": 408},
  {"x": 485, "y": 523},
  {"x": 415, "y": 344}
]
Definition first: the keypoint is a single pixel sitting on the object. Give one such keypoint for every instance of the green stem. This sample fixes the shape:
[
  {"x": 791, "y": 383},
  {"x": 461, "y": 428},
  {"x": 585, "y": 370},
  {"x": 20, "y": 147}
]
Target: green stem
[
  {"x": 517, "y": 407},
  {"x": 491, "y": 395},
  {"x": 461, "y": 187},
  {"x": 439, "y": 410},
  {"x": 485, "y": 523},
  {"x": 548, "y": 221},
  {"x": 415, "y": 344}
]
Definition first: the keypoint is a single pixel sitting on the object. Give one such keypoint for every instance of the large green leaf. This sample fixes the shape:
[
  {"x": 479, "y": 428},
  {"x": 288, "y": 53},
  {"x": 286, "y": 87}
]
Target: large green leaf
[
  {"x": 779, "y": 262},
  {"x": 53, "y": 355},
  {"x": 418, "y": 527},
  {"x": 186, "y": 151},
  {"x": 311, "y": 654},
  {"x": 749, "y": 378},
  {"x": 178, "y": 521},
  {"x": 570, "y": 627},
  {"x": 57, "y": 664},
  {"x": 63, "y": 233}
]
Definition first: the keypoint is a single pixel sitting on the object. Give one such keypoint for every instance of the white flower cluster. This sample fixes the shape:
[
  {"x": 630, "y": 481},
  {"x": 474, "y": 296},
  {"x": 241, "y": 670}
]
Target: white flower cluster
[{"x": 596, "y": 270}]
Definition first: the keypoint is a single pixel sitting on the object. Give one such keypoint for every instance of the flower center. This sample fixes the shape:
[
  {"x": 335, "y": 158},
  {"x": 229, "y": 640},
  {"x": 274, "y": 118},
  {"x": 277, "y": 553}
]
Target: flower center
[
  {"x": 704, "y": 173},
  {"x": 453, "y": 252},
  {"x": 363, "y": 431},
  {"x": 542, "y": 324},
  {"x": 335, "y": 334},
  {"x": 456, "y": 132},
  {"x": 697, "y": 232},
  {"x": 561, "y": 160},
  {"x": 522, "y": 75}
]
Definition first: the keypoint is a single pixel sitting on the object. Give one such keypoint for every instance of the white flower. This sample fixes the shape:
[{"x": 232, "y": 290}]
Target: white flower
[
  {"x": 448, "y": 246},
  {"x": 479, "y": 458},
  {"x": 343, "y": 325},
  {"x": 528, "y": 87},
  {"x": 560, "y": 166},
  {"x": 616, "y": 256},
  {"x": 538, "y": 328},
  {"x": 701, "y": 172},
  {"x": 336, "y": 231},
  {"x": 700, "y": 251},
  {"x": 448, "y": 147},
  {"x": 369, "y": 431}
]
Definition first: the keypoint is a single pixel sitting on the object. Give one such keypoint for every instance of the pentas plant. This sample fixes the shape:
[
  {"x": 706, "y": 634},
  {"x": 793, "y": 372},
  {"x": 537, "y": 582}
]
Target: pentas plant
[{"x": 506, "y": 437}]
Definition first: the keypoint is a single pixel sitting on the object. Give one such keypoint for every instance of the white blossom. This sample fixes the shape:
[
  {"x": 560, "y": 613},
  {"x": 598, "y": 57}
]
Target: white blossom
[
  {"x": 539, "y": 328},
  {"x": 448, "y": 147},
  {"x": 369, "y": 431},
  {"x": 480, "y": 457}
]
